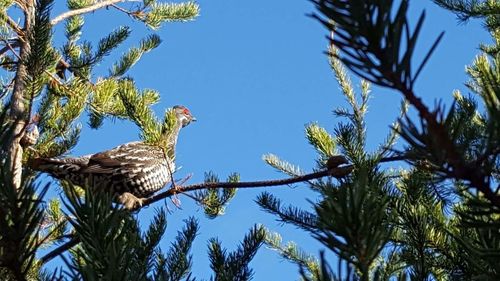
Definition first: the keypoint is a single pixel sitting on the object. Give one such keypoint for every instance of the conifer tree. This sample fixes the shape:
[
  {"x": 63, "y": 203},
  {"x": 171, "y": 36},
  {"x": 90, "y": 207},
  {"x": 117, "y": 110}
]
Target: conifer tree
[
  {"x": 438, "y": 219},
  {"x": 64, "y": 80},
  {"x": 96, "y": 238}
]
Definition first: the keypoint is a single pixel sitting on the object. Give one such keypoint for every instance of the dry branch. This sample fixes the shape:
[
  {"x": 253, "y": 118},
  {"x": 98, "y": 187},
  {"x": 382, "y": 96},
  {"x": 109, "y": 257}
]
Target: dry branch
[
  {"x": 338, "y": 172},
  {"x": 85, "y": 10}
]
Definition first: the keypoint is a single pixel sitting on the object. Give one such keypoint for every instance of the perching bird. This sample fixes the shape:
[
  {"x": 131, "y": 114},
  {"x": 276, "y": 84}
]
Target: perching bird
[{"x": 133, "y": 171}]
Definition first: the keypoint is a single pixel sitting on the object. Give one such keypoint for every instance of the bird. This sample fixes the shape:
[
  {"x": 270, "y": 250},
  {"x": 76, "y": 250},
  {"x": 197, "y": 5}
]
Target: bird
[{"x": 132, "y": 171}]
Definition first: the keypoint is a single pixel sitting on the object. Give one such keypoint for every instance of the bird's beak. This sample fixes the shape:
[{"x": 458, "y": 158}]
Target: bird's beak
[{"x": 193, "y": 119}]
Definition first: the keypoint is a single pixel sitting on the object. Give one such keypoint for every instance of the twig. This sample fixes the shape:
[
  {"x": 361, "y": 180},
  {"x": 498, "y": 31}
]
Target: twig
[
  {"x": 85, "y": 10},
  {"x": 12, "y": 24},
  {"x": 185, "y": 179},
  {"x": 134, "y": 14},
  {"x": 9, "y": 47},
  {"x": 3, "y": 50},
  {"x": 393, "y": 158},
  {"x": 175, "y": 200},
  {"x": 59, "y": 250},
  {"x": 6, "y": 88}
]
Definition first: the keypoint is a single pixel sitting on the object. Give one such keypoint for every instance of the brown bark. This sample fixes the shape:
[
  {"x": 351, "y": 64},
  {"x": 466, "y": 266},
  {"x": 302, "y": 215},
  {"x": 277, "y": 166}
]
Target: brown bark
[{"x": 19, "y": 114}]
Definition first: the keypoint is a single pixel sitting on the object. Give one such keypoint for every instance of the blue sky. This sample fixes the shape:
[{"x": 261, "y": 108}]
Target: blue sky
[{"x": 254, "y": 73}]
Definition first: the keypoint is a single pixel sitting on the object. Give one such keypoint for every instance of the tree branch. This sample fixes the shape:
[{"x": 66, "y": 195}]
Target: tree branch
[
  {"x": 59, "y": 250},
  {"x": 12, "y": 24},
  {"x": 337, "y": 172},
  {"x": 460, "y": 169},
  {"x": 9, "y": 47},
  {"x": 85, "y": 10},
  {"x": 333, "y": 171},
  {"x": 129, "y": 13}
]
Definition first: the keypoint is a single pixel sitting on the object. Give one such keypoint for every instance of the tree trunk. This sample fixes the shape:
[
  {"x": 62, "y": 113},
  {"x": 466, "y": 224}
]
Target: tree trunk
[{"x": 19, "y": 114}]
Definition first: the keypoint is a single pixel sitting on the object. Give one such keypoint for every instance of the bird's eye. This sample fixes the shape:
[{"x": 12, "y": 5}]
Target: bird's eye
[{"x": 186, "y": 111}]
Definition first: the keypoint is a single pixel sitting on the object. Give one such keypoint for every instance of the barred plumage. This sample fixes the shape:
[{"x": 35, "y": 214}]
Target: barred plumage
[{"x": 133, "y": 170}]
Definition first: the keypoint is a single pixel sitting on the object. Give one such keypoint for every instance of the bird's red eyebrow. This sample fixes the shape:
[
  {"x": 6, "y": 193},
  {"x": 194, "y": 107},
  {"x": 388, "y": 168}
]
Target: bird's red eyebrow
[{"x": 186, "y": 111}]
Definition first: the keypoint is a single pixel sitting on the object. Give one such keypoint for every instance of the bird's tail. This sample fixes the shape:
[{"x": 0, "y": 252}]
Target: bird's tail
[
  {"x": 62, "y": 168},
  {"x": 57, "y": 165},
  {"x": 43, "y": 164}
]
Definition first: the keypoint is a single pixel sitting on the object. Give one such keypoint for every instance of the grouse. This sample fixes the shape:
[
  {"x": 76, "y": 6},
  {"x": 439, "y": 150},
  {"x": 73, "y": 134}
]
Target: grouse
[{"x": 132, "y": 171}]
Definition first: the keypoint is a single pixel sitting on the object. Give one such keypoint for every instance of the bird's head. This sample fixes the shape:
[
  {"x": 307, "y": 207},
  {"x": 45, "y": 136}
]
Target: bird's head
[{"x": 183, "y": 115}]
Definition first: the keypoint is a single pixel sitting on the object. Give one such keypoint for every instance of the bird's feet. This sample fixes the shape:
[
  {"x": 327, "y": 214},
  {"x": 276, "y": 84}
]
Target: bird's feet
[
  {"x": 130, "y": 201},
  {"x": 175, "y": 199},
  {"x": 175, "y": 191}
]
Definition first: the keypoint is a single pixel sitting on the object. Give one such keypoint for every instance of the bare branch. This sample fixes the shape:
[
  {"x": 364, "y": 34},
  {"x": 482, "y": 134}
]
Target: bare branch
[
  {"x": 9, "y": 47},
  {"x": 337, "y": 172},
  {"x": 85, "y": 10},
  {"x": 133, "y": 14},
  {"x": 12, "y": 24}
]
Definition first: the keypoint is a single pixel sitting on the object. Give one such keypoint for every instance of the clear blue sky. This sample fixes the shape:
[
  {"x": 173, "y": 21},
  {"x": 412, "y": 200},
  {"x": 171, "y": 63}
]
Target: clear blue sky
[{"x": 254, "y": 73}]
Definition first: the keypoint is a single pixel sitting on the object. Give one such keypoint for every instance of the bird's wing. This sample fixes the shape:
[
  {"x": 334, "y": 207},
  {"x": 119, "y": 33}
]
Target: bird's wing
[{"x": 126, "y": 155}]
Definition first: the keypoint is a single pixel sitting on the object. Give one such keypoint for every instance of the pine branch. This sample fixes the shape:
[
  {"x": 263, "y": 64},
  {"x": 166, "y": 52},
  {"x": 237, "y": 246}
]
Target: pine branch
[
  {"x": 85, "y": 10},
  {"x": 178, "y": 261},
  {"x": 470, "y": 9},
  {"x": 338, "y": 172},
  {"x": 460, "y": 169},
  {"x": 381, "y": 52},
  {"x": 290, "y": 214},
  {"x": 161, "y": 12},
  {"x": 21, "y": 218},
  {"x": 292, "y": 252},
  {"x": 233, "y": 266}
]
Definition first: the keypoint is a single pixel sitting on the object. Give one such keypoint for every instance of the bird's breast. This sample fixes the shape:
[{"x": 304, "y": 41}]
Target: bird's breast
[{"x": 154, "y": 178}]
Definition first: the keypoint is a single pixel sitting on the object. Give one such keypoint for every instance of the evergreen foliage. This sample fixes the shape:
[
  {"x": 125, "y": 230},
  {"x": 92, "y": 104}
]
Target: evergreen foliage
[
  {"x": 109, "y": 243},
  {"x": 214, "y": 200},
  {"x": 22, "y": 221},
  {"x": 234, "y": 266},
  {"x": 97, "y": 239},
  {"x": 121, "y": 251},
  {"x": 437, "y": 219}
]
